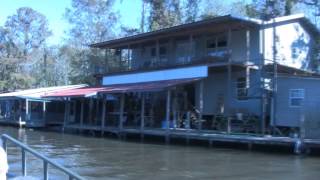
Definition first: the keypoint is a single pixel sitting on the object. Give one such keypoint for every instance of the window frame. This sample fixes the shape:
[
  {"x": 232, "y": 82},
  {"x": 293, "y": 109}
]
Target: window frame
[{"x": 300, "y": 97}]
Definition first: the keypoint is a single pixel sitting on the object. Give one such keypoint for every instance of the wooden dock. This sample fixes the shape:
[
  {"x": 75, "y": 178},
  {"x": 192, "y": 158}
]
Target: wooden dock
[{"x": 209, "y": 136}]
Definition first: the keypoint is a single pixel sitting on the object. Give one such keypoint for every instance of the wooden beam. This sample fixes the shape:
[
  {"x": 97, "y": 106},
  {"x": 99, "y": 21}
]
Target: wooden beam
[
  {"x": 121, "y": 117},
  {"x": 90, "y": 110},
  {"x": 191, "y": 50},
  {"x": 103, "y": 115},
  {"x": 44, "y": 110},
  {"x": 65, "y": 113},
  {"x": 229, "y": 81},
  {"x": 168, "y": 115},
  {"x": 20, "y": 111},
  {"x": 97, "y": 111},
  {"x": 200, "y": 104},
  {"x": 248, "y": 45},
  {"x": 28, "y": 112},
  {"x": 142, "y": 116},
  {"x": 74, "y": 109},
  {"x": 142, "y": 111},
  {"x": 81, "y": 112}
]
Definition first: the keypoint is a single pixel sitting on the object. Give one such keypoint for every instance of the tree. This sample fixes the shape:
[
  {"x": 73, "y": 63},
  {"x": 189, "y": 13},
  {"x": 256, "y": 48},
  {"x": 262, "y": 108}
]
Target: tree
[
  {"x": 28, "y": 29},
  {"x": 163, "y": 14},
  {"x": 91, "y": 21},
  {"x": 191, "y": 10},
  {"x": 21, "y": 42},
  {"x": 270, "y": 8}
]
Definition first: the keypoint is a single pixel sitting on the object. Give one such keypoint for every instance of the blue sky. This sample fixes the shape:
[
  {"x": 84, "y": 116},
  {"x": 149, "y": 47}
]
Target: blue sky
[{"x": 54, "y": 10}]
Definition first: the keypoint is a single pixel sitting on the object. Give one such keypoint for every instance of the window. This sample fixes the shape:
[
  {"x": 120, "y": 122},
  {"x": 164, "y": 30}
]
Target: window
[
  {"x": 163, "y": 50},
  {"x": 296, "y": 97},
  {"x": 222, "y": 42},
  {"x": 211, "y": 43},
  {"x": 217, "y": 46},
  {"x": 153, "y": 52},
  {"x": 242, "y": 89}
]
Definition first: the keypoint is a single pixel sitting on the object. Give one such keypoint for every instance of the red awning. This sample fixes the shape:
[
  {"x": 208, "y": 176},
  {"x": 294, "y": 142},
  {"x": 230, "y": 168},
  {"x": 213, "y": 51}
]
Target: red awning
[{"x": 122, "y": 88}]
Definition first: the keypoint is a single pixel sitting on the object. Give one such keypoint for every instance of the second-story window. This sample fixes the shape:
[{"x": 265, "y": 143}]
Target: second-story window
[{"x": 217, "y": 46}]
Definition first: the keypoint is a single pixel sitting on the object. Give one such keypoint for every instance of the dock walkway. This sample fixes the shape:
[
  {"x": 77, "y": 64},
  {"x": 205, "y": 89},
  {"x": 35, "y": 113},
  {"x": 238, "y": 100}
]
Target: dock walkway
[{"x": 210, "y": 136}]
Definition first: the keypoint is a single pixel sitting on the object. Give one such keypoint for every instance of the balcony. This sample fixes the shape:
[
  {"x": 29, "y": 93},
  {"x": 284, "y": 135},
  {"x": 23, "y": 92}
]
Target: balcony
[{"x": 127, "y": 65}]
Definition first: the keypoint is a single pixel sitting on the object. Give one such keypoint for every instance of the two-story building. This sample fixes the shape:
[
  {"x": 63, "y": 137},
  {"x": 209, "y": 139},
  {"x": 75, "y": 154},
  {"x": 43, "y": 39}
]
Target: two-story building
[{"x": 225, "y": 74}]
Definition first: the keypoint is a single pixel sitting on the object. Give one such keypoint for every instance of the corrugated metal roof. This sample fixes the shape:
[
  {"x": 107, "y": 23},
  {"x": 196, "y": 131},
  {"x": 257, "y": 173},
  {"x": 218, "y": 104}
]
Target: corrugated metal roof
[
  {"x": 133, "y": 87},
  {"x": 39, "y": 92}
]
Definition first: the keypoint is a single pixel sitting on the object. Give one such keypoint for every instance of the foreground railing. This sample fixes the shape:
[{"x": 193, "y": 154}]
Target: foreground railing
[{"x": 46, "y": 161}]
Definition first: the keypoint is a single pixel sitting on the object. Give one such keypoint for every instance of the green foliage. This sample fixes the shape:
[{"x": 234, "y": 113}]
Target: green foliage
[
  {"x": 91, "y": 21},
  {"x": 163, "y": 14}
]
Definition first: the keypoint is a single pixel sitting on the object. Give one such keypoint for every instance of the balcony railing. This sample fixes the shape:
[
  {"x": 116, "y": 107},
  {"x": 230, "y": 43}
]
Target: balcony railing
[{"x": 163, "y": 63}]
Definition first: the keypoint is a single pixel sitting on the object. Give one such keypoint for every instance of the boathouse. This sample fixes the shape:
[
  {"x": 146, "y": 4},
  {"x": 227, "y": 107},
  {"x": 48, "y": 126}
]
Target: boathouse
[
  {"x": 225, "y": 74},
  {"x": 29, "y": 108}
]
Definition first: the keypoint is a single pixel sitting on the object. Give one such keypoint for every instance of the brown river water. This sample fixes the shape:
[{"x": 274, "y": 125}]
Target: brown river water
[{"x": 104, "y": 158}]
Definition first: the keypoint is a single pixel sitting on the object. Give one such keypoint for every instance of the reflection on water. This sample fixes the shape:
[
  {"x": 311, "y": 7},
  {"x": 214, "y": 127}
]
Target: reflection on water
[{"x": 100, "y": 158}]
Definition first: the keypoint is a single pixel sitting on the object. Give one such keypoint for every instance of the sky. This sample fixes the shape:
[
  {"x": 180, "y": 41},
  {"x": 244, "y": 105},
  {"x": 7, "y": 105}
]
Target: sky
[{"x": 54, "y": 11}]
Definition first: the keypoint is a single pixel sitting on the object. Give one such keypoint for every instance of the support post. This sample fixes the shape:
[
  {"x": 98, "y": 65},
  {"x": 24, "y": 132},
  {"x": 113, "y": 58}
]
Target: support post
[
  {"x": 200, "y": 105},
  {"x": 103, "y": 115},
  {"x": 191, "y": 48},
  {"x": 28, "y": 112},
  {"x": 81, "y": 113},
  {"x": 74, "y": 109},
  {"x": 121, "y": 117},
  {"x": 20, "y": 113},
  {"x": 44, "y": 110},
  {"x": 97, "y": 111},
  {"x": 90, "y": 110},
  {"x": 142, "y": 116},
  {"x": 229, "y": 82},
  {"x": 168, "y": 116}
]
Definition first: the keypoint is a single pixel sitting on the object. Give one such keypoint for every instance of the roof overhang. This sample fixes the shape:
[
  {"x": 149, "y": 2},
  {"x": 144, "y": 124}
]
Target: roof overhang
[
  {"x": 217, "y": 23},
  {"x": 121, "y": 88},
  {"x": 221, "y": 22}
]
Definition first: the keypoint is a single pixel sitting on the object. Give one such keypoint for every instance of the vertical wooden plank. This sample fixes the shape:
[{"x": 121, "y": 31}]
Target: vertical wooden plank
[
  {"x": 248, "y": 45},
  {"x": 20, "y": 112},
  {"x": 191, "y": 50},
  {"x": 74, "y": 109},
  {"x": 103, "y": 115},
  {"x": 97, "y": 111},
  {"x": 168, "y": 115},
  {"x": 142, "y": 112},
  {"x": 229, "y": 83},
  {"x": 65, "y": 113},
  {"x": 28, "y": 113},
  {"x": 122, "y": 99},
  {"x": 90, "y": 110},
  {"x": 200, "y": 104},
  {"x": 44, "y": 110},
  {"x": 82, "y": 112}
]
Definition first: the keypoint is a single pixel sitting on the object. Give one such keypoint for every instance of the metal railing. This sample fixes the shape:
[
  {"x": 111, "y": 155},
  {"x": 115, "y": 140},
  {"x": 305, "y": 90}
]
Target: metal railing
[{"x": 46, "y": 161}]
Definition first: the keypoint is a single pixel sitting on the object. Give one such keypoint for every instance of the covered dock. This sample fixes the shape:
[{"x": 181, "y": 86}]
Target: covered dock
[{"x": 29, "y": 108}]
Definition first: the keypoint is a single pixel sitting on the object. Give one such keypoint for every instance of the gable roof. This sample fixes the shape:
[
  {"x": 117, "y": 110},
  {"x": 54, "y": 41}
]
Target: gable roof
[{"x": 220, "y": 20}]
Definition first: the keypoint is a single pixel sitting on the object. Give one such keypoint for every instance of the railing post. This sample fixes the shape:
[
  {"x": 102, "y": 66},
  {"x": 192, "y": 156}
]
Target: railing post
[
  {"x": 45, "y": 170},
  {"x": 24, "y": 162}
]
